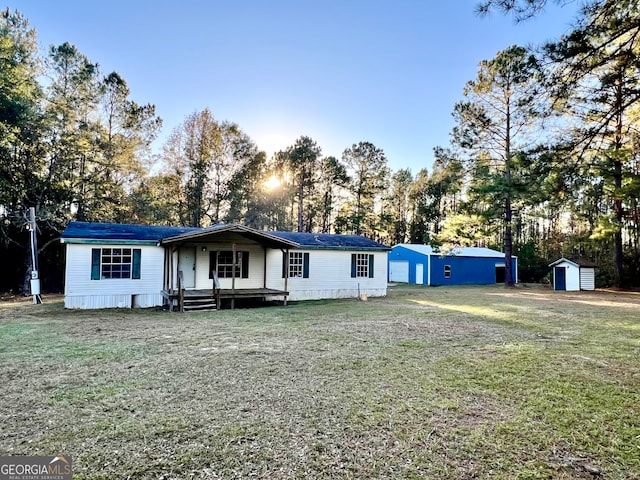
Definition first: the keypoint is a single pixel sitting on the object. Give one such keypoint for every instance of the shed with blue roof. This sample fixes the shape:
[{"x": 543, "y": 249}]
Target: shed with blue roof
[
  {"x": 118, "y": 265},
  {"x": 421, "y": 264}
]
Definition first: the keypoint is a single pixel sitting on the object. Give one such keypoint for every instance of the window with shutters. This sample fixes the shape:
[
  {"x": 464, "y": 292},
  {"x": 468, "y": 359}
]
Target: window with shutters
[
  {"x": 222, "y": 263},
  {"x": 296, "y": 264},
  {"x": 362, "y": 265},
  {"x": 115, "y": 263}
]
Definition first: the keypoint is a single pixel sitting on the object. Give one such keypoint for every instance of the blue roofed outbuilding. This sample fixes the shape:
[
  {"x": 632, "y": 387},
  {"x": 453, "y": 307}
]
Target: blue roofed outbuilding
[{"x": 421, "y": 264}]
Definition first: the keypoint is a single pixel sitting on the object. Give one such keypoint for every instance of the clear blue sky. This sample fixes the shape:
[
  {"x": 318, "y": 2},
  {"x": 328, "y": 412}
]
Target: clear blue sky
[{"x": 339, "y": 71}]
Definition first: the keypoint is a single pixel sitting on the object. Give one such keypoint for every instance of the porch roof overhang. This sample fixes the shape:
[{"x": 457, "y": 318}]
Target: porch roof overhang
[{"x": 211, "y": 234}]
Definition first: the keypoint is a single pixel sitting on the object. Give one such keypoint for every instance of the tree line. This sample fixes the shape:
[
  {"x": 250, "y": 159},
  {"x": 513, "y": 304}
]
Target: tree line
[{"x": 542, "y": 162}]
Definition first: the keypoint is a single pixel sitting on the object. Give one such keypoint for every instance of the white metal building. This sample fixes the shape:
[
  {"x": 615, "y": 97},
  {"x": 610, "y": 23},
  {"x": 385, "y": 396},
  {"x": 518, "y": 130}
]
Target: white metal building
[{"x": 573, "y": 275}]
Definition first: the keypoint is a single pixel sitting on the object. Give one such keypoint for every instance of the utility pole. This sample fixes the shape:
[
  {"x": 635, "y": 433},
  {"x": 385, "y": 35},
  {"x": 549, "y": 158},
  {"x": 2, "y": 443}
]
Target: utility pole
[{"x": 35, "y": 279}]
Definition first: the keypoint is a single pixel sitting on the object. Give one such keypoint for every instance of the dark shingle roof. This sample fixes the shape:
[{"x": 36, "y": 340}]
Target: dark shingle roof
[
  {"x": 584, "y": 263},
  {"x": 331, "y": 241},
  {"x": 577, "y": 262},
  {"x": 150, "y": 233},
  {"x": 209, "y": 234},
  {"x": 121, "y": 231}
]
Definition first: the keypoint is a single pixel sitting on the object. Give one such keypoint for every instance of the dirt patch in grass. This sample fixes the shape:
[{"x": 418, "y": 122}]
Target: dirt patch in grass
[{"x": 475, "y": 382}]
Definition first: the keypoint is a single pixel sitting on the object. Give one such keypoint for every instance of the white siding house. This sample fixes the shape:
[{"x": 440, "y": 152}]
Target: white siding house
[
  {"x": 573, "y": 275},
  {"x": 83, "y": 292},
  {"x": 114, "y": 266},
  {"x": 330, "y": 266},
  {"x": 330, "y": 274},
  {"x": 124, "y": 266}
]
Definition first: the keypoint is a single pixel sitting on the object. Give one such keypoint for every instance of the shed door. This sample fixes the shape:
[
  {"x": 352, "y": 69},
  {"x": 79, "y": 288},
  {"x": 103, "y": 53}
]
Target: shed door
[
  {"x": 399, "y": 271},
  {"x": 419, "y": 273},
  {"x": 587, "y": 279},
  {"x": 187, "y": 263},
  {"x": 500, "y": 272},
  {"x": 560, "y": 278}
]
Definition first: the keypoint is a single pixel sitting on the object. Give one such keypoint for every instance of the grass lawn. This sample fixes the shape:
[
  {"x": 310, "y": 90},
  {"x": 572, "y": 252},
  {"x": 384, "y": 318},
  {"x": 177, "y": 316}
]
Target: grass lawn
[{"x": 444, "y": 383}]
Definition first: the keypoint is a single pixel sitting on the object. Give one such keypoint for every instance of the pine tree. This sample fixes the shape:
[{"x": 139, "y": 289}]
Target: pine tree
[{"x": 494, "y": 123}]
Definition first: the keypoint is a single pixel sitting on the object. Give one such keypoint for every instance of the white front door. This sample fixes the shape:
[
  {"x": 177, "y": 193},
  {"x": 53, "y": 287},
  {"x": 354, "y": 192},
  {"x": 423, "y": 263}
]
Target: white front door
[
  {"x": 419, "y": 273},
  {"x": 187, "y": 263}
]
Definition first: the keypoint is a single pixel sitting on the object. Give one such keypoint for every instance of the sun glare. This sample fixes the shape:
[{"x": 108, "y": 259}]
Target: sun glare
[{"x": 272, "y": 183}]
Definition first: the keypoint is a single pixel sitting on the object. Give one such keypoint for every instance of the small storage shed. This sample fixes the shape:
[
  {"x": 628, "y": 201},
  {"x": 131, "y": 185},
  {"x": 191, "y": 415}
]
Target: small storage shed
[
  {"x": 420, "y": 264},
  {"x": 573, "y": 275}
]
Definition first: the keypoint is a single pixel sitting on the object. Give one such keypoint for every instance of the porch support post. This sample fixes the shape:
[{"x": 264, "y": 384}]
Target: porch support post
[
  {"x": 264, "y": 270},
  {"x": 233, "y": 274},
  {"x": 171, "y": 268}
]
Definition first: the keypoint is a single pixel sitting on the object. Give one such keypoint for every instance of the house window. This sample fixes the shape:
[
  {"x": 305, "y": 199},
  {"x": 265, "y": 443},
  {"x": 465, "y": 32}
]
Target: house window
[
  {"x": 447, "y": 271},
  {"x": 361, "y": 265},
  {"x": 115, "y": 263},
  {"x": 222, "y": 263},
  {"x": 295, "y": 264},
  {"x": 298, "y": 265}
]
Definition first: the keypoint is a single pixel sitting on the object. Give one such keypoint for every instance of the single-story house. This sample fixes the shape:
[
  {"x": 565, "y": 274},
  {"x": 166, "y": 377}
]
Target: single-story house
[
  {"x": 573, "y": 275},
  {"x": 117, "y": 265},
  {"x": 420, "y": 264}
]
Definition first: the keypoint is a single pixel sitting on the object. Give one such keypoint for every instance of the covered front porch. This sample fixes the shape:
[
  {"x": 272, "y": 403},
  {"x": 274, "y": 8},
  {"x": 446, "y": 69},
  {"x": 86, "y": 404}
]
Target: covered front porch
[
  {"x": 207, "y": 300},
  {"x": 224, "y": 262}
]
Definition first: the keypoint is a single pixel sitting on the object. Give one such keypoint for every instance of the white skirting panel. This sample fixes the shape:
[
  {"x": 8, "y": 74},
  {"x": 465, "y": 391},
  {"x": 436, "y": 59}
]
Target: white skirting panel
[
  {"x": 327, "y": 294},
  {"x": 147, "y": 300},
  {"x": 97, "y": 301}
]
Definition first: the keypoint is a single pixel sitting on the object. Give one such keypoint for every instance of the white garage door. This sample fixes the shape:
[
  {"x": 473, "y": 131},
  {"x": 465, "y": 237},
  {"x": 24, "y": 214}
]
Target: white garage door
[{"x": 399, "y": 272}]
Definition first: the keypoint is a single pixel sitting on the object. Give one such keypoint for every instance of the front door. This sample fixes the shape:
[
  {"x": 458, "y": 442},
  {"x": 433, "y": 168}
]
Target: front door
[
  {"x": 187, "y": 263},
  {"x": 419, "y": 273},
  {"x": 560, "y": 275}
]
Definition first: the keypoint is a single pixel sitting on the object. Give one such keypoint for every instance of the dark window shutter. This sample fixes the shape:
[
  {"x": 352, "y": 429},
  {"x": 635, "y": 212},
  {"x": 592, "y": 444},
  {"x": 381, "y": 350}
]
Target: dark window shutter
[
  {"x": 370, "y": 266},
  {"x": 284, "y": 264},
  {"x": 245, "y": 264},
  {"x": 305, "y": 265},
  {"x": 137, "y": 257},
  {"x": 95, "y": 264},
  {"x": 213, "y": 263},
  {"x": 353, "y": 265}
]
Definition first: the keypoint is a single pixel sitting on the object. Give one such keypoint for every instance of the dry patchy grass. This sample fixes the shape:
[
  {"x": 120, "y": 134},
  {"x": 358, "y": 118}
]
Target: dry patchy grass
[{"x": 473, "y": 382}]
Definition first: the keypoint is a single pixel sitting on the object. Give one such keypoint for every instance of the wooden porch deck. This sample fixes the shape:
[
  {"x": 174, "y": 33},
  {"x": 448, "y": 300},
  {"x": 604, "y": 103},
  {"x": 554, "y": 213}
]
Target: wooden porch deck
[{"x": 223, "y": 294}]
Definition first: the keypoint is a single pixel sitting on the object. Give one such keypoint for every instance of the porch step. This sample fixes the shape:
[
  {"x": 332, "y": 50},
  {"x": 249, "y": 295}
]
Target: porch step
[{"x": 199, "y": 303}]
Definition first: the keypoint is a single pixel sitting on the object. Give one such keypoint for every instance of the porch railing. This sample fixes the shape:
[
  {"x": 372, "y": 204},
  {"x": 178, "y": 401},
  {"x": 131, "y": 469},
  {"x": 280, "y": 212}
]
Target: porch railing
[
  {"x": 216, "y": 289},
  {"x": 180, "y": 291}
]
